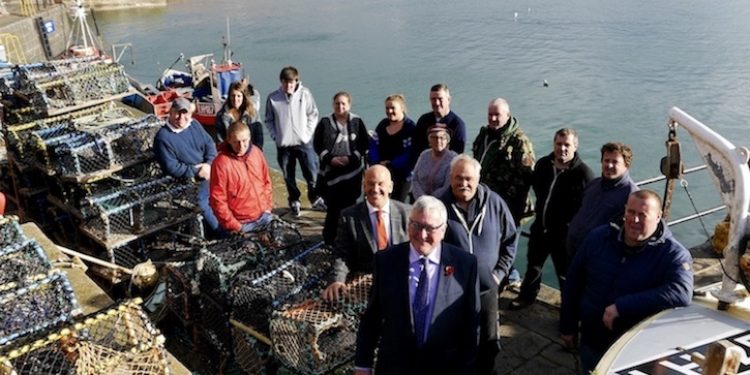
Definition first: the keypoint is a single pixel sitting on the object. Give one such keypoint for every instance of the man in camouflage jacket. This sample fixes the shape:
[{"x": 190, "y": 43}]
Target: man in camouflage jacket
[{"x": 507, "y": 157}]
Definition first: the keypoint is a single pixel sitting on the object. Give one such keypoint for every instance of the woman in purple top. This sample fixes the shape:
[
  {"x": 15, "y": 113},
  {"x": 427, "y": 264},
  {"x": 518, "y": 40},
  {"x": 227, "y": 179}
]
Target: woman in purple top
[{"x": 391, "y": 144}]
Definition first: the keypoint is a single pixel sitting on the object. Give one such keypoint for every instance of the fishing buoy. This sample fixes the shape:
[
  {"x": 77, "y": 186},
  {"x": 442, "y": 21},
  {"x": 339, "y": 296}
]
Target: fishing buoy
[
  {"x": 545, "y": 83},
  {"x": 515, "y": 16}
]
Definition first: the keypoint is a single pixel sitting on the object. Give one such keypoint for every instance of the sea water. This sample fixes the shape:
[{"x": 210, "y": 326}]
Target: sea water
[{"x": 614, "y": 67}]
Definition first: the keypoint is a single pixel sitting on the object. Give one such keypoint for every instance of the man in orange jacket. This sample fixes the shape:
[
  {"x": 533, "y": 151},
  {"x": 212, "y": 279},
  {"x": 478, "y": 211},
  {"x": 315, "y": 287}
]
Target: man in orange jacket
[{"x": 240, "y": 183}]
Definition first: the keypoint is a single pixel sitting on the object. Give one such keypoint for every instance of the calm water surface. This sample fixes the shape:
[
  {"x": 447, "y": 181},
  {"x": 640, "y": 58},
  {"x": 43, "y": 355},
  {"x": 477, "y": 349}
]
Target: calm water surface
[{"x": 614, "y": 68}]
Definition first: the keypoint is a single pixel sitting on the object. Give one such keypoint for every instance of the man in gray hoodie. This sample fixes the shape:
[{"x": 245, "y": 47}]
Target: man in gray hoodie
[{"x": 291, "y": 117}]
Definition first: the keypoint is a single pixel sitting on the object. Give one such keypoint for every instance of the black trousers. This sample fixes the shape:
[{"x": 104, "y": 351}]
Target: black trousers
[
  {"x": 338, "y": 197},
  {"x": 542, "y": 245},
  {"x": 489, "y": 343}
]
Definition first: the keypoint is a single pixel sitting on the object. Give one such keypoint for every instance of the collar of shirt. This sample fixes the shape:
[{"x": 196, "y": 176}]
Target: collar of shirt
[
  {"x": 176, "y": 130},
  {"x": 386, "y": 208}
]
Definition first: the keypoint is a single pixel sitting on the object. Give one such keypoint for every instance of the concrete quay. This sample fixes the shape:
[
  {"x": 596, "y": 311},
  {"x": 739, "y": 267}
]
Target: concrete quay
[{"x": 530, "y": 338}]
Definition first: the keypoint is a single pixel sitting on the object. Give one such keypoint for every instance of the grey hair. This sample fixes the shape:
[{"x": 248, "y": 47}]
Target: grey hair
[
  {"x": 502, "y": 103},
  {"x": 428, "y": 203},
  {"x": 465, "y": 158}
]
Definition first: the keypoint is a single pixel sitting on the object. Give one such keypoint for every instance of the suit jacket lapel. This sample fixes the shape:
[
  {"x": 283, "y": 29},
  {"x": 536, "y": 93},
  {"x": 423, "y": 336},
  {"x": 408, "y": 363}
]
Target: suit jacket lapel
[
  {"x": 397, "y": 232},
  {"x": 366, "y": 224},
  {"x": 444, "y": 284}
]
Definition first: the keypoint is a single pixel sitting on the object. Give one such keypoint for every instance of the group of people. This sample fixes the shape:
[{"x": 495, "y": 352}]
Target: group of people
[{"x": 440, "y": 263}]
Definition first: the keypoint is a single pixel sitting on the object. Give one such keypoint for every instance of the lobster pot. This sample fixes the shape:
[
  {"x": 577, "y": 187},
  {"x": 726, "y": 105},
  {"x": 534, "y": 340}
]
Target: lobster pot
[
  {"x": 214, "y": 324},
  {"x": 22, "y": 261},
  {"x": 278, "y": 235},
  {"x": 53, "y": 68},
  {"x": 37, "y": 307},
  {"x": 256, "y": 294},
  {"x": 251, "y": 355},
  {"x": 112, "y": 147},
  {"x": 45, "y": 142},
  {"x": 122, "y": 213},
  {"x": 181, "y": 291},
  {"x": 315, "y": 337},
  {"x": 18, "y": 135},
  {"x": 75, "y": 88},
  {"x": 221, "y": 260},
  {"x": 10, "y": 233},
  {"x": 118, "y": 341}
]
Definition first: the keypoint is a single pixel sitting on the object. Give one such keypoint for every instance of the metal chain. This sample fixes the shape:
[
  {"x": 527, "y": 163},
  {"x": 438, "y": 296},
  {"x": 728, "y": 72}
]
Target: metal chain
[{"x": 684, "y": 184}]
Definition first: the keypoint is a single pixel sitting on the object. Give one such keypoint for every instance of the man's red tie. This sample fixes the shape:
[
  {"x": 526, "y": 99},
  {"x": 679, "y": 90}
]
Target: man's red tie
[{"x": 382, "y": 234}]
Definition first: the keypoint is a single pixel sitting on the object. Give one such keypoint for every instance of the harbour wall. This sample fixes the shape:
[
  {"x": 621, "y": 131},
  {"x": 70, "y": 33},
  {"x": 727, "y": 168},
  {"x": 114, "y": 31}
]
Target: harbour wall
[
  {"x": 105, "y": 5},
  {"x": 29, "y": 35},
  {"x": 97, "y": 5}
]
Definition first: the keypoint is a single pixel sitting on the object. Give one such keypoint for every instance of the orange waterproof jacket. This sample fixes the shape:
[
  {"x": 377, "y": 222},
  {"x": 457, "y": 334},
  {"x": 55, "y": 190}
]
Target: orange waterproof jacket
[{"x": 240, "y": 187}]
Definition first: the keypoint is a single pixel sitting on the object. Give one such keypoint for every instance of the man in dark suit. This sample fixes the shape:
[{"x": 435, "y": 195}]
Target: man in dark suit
[
  {"x": 365, "y": 228},
  {"x": 424, "y": 305}
]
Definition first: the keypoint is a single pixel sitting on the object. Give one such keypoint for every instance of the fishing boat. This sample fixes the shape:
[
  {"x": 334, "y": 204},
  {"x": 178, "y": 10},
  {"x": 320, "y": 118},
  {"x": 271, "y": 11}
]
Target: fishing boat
[
  {"x": 204, "y": 81},
  {"x": 712, "y": 335}
]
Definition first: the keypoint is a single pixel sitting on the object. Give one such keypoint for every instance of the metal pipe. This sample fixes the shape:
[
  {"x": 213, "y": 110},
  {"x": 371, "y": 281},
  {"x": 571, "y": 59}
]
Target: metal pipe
[
  {"x": 697, "y": 215},
  {"x": 661, "y": 178}
]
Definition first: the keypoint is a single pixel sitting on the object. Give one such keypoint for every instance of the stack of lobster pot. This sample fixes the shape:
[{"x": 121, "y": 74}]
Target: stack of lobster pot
[{"x": 36, "y": 298}]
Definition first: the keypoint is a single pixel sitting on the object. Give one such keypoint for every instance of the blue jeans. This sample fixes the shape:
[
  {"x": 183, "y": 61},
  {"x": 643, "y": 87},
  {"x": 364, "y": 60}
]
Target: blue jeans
[
  {"x": 262, "y": 220},
  {"x": 308, "y": 162},
  {"x": 208, "y": 214}
]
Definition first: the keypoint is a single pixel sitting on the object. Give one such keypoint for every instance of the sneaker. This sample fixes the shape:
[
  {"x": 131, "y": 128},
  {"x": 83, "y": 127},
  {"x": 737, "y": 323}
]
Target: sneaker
[
  {"x": 320, "y": 204},
  {"x": 296, "y": 208}
]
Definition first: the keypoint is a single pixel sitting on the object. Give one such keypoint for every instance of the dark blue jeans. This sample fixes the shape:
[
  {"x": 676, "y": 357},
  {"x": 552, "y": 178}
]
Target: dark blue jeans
[
  {"x": 208, "y": 214},
  {"x": 308, "y": 162}
]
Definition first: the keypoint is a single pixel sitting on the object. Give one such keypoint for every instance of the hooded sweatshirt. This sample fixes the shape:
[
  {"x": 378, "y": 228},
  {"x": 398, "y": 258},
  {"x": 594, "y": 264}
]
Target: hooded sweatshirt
[
  {"x": 291, "y": 119},
  {"x": 485, "y": 229}
]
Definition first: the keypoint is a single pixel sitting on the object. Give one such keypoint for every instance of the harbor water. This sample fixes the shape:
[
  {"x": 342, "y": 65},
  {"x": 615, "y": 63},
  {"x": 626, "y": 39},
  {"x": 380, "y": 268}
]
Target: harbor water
[{"x": 614, "y": 68}]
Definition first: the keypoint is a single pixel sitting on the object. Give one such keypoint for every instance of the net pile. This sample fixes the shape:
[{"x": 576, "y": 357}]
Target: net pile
[
  {"x": 10, "y": 233},
  {"x": 36, "y": 307},
  {"x": 22, "y": 261},
  {"x": 252, "y": 355},
  {"x": 255, "y": 294},
  {"x": 181, "y": 290},
  {"x": 315, "y": 336},
  {"x": 62, "y": 90},
  {"x": 119, "y": 341},
  {"x": 221, "y": 260},
  {"x": 278, "y": 235},
  {"x": 70, "y": 152},
  {"x": 132, "y": 210}
]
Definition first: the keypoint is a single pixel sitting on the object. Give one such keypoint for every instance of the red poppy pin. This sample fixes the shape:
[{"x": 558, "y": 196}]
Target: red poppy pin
[{"x": 448, "y": 271}]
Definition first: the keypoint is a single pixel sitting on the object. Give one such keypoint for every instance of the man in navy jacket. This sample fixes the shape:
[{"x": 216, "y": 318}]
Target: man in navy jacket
[{"x": 620, "y": 276}]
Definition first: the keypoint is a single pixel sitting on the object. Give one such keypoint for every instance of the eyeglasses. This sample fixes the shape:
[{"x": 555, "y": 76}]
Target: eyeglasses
[
  {"x": 439, "y": 137},
  {"x": 418, "y": 227}
]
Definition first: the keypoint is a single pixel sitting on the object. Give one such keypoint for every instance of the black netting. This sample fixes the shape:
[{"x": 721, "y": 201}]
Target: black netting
[
  {"x": 10, "y": 233},
  {"x": 37, "y": 307},
  {"x": 21, "y": 261},
  {"x": 251, "y": 355},
  {"x": 221, "y": 260},
  {"x": 255, "y": 294},
  {"x": 181, "y": 292}
]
